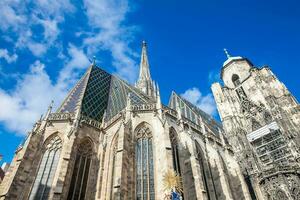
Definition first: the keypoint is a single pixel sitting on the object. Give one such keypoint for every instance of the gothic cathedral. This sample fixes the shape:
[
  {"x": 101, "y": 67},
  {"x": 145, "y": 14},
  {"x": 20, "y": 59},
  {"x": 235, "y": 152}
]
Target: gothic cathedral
[{"x": 110, "y": 140}]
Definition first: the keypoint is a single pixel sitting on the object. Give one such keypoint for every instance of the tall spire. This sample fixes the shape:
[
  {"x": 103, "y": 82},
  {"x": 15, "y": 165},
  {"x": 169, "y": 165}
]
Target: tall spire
[
  {"x": 144, "y": 82},
  {"x": 144, "y": 65}
]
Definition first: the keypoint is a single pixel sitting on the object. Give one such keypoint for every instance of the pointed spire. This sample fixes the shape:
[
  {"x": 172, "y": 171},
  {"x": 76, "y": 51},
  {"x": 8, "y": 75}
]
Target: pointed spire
[
  {"x": 128, "y": 108},
  {"x": 93, "y": 61},
  {"x": 154, "y": 89},
  {"x": 226, "y": 53},
  {"x": 49, "y": 110},
  {"x": 157, "y": 89},
  {"x": 144, "y": 65},
  {"x": 144, "y": 82},
  {"x": 128, "y": 101}
]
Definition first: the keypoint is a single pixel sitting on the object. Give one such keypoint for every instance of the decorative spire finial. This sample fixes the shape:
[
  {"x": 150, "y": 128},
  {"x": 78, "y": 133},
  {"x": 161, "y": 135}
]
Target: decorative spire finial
[
  {"x": 51, "y": 104},
  {"x": 227, "y": 54},
  {"x": 49, "y": 110}
]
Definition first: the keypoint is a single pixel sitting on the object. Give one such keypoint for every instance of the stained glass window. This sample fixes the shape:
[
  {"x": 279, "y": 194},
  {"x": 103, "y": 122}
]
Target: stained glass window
[
  {"x": 47, "y": 167},
  {"x": 81, "y": 169},
  {"x": 144, "y": 165}
]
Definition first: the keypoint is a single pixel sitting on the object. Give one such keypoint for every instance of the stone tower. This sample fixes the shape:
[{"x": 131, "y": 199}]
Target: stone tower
[
  {"x": 261, "y": 119},
  {"x": 110, "y": 140}
]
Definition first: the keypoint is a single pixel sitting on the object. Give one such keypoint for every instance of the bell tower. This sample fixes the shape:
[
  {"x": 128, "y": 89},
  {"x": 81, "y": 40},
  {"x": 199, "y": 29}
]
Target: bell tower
[{"x": 261, "y": 120}]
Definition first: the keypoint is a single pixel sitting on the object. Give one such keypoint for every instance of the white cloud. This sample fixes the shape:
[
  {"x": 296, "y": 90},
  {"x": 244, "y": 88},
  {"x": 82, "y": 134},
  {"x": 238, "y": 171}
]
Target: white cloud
[
  {"x": 37, "y": 49},
  {"x": 22, "y": 16},
  {"x": 107, "y": 18},
  {"x": 28, "y": 99},
  {"x": 51, "y": 30},
  {"x": 78, "y": 60},
  {"x": 22, "y": 106},
  {"x": 11, "y": 17},
  {"x": 205, "y": 103},
  {"x": 9, "y": 58}
]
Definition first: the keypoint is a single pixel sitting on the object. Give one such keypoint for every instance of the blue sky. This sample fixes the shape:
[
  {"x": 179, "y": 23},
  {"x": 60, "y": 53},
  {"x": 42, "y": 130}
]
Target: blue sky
[{"x": 45, "y": 46}]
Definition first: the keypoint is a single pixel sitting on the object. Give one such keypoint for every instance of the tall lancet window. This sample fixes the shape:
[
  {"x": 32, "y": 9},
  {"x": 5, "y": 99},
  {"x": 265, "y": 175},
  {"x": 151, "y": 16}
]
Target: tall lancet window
[
  {"x": 81, "y": 170},
  {"x": 174, "y": 144},
  {"x": 204, "y": 171},
  {"x": 113, "y": 157},
  {"x": 47, "y": 167},
  {"x": 144, "y": 165}
]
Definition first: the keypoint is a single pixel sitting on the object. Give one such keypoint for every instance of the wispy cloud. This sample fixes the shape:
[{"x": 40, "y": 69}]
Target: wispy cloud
[
  {"x": 107, "y": 17},
  {"x": 7, "y": 56},
  {"x": 35, "y": 27},
  {"x": 22, "y": 106},
  {"x": 204, "y": 102},
  {"x": 11, "y": 15},
  {"x": 20, "y": 18}
]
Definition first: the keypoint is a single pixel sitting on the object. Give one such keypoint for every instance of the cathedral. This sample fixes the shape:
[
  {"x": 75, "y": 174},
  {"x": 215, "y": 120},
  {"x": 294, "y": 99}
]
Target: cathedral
[{"x": 110, "y": 140}]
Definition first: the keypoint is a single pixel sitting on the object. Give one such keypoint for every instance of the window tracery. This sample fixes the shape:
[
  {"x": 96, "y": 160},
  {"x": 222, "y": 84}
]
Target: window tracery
[
  {"x": 46, "y": 171},
  {"x": 280, "y": 195},
  {"x": 81, "y": 171},
  {"x": 144, "y": 164}
]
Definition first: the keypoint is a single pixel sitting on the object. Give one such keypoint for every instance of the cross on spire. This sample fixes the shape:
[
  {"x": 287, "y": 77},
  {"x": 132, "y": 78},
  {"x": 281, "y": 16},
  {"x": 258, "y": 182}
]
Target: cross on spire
[{"x": 226, "y": 53}]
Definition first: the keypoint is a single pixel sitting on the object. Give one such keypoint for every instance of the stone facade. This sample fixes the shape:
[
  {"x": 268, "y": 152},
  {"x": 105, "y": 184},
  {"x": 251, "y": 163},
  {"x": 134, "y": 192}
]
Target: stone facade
[
  {"x": 111, "y": 140},
  {"x": 261, "y": 119}
]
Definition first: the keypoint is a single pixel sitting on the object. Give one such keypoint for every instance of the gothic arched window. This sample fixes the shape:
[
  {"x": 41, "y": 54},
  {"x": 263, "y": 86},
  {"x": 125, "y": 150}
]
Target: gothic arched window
[
  {"x": 205, "y": 171},
  {"x": 235, "y": 80},
  {"x": 175, "y": 156},
  {"x": 47, "y": 167},
  {"x": 144, "y": 164},
  {"x": 81, "y": 171},
  {"x": 114, "y": 156},
  {"x": 280, "y": 195}
]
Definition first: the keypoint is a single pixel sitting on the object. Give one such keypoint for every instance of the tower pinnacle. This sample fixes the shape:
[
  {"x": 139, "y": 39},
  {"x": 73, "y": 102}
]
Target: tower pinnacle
[{"x": 144, "y": 82}]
